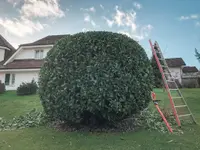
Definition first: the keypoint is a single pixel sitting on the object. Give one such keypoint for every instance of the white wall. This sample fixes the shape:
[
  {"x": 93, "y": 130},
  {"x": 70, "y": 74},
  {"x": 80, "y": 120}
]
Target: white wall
[
  {"x": 20, "y": 77},
  {"x": 2, "y": 53},
  {"x": 29, "y": 53},
  {"x": 176, "y": 73},
  {"x": 2, "y": 77}
]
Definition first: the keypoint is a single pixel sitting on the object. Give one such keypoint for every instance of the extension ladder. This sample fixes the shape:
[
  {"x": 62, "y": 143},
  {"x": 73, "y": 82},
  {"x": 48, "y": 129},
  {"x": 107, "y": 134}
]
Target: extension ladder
[{"x": 178, "y": 104}]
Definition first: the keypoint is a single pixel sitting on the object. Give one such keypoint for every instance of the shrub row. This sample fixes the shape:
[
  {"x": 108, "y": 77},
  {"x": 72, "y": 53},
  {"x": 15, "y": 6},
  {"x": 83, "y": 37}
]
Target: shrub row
[{"x": 27, "y": 88}]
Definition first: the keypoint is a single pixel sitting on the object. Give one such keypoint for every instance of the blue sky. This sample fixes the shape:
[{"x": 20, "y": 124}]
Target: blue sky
[{"x": 175, "y": 24}]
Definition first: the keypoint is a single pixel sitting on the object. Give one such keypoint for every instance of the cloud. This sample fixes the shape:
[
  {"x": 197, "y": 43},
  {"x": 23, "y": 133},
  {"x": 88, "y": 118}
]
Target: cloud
[
  {"x": 91, "y": 9},
  {"x": 88, "y": 19},
  {"x": 21, "y": 27},
  {"x": 192, "y": 16},
  {"x": 85, "y": 30},
  {"x": 198, "y": 24},
  {"x": 137, "y": 5},
  {"x": 122, "y": 19},
  {"x": 93, "y": 23},
  {"x": 41, "y": 8},
  {"x": 125, "y": 23},
  {"x": 102, "y": 7},
  {"x": 30, "y": 12},
  {"x": 14, "y": 2},
  {"x": 109, "y": 22},
  {"x": 144, "y": 32},
  {"x": 126, "y": 33}
]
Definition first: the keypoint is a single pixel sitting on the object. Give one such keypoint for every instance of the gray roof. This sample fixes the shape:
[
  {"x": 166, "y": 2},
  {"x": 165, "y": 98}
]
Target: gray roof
[
  {"x": 48, "y": 40},
  {"x": 23, "y": 64},
  {"x": 5, "y": 43},
  {"x": 189, "y": 69},
  {"x": 175, "y": 62},
  {"x": 8, "y": 53}
]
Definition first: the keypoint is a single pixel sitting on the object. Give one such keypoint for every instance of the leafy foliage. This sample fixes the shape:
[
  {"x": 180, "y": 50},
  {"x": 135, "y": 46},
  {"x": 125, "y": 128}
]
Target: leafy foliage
[
  {"x": 2, "y": 87},
  {"x": 31, "y": 119},
  {"x": 27, "y": 88},
  {"x": 190, "y": 83},
  {"x": 197, "y": 54},
  {"x": 156, "y": 73},
  {"x": 149, "y": 120},
  {"x": 95, "y": 77}
]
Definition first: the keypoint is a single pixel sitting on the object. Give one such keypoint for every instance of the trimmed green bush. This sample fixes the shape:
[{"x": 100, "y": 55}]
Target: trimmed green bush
[
  {"x": 95, "y": 77},
  {"x": 27, "y": 88},
  {"x": 2, "y": 88}
]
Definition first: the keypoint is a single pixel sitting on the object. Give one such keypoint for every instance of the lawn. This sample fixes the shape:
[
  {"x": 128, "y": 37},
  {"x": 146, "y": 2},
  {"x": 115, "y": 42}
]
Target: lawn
[{"x": 43, "y": 138}]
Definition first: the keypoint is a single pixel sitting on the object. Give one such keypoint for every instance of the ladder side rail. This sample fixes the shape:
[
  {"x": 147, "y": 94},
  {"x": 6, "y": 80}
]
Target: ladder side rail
[
  {"x": 186, "y": 104},
  {"x": 166, "y": 85},
  {"x": 179, "y": 92},
  {"x": 165, "y": 63}
]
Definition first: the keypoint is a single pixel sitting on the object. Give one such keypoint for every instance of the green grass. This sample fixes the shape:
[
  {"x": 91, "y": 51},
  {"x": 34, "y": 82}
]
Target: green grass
[
  {"x": 43, "y": 138},
  {"x": 12, "y": 105}
]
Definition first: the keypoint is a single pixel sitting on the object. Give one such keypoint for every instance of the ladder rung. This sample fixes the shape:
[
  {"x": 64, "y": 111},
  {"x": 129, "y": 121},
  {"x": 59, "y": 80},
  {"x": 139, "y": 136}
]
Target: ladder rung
[
  {"x": 176, "y": 97},
  {"x": 158, "y": 53},
  {"x": 173, "y": 89},
  {"x": 161, "y": 59},
  {"x": 167, "y": 73},
  {"x": 163, "y": 66},
  {"x": 185, "y": 115},
  {"x": 169, "y": 81},
  {"x": 180, "y": 106}
]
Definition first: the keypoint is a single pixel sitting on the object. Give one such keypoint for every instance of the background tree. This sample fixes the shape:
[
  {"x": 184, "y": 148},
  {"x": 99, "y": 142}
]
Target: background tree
[
  {"x": 156, "y": 73},
  {"x": 197, "y": 54}
]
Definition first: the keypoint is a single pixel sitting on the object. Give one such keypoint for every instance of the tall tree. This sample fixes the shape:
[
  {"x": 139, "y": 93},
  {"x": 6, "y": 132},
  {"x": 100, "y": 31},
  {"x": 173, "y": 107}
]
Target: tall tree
[
  {"x": 156, "y": 73},
  {"x": 197, "y": 54}
]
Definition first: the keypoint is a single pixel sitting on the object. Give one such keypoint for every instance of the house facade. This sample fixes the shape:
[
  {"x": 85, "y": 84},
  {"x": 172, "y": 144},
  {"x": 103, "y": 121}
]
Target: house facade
[
  {"x": 175, "y": 67},
  {"x": 24, "y": 64},
  {"x": 190, "y": 76}
]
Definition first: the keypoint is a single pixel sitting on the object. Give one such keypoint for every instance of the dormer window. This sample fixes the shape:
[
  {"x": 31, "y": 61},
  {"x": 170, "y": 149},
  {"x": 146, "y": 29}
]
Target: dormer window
[{"x": 39, "y": 54}]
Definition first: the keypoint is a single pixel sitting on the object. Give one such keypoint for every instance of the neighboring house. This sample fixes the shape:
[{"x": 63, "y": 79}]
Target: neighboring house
[
  {"x": 190, "y": 72},
  {"x": 175, "y": 66},
  {"x": 6, "y": 51},
  {"x": 24, "y": 65},
  {"x": 190, "y": 76}
]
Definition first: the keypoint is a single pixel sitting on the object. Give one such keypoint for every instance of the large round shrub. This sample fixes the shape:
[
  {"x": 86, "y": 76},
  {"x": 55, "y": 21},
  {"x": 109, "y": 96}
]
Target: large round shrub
[{"x": 95, "y": 76}]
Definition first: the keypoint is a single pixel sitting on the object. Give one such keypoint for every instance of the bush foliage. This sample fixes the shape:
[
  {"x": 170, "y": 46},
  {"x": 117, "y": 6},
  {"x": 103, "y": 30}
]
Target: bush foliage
[
  {"x": 95, "y": 77},
  {"x": 31, "y": 119},
  {"x": 158, "y": 83},
  {"x": 27, "y": 88},
  {"x": 2, "y": 87}
]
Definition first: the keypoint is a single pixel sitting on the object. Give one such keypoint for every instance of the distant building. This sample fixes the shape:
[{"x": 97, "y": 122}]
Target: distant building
[{"x": 175, "y": 66}]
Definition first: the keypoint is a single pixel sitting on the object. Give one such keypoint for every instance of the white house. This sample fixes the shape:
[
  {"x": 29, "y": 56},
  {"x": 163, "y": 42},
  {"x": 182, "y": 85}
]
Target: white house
[
  {"x": 175, "y": 66},
  {"x": 23, "y": 64},
  {"x": 190, "y": 76}
]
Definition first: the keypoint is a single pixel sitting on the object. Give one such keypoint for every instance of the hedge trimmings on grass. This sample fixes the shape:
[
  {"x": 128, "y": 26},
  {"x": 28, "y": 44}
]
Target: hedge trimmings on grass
[{"x": 95, "y": 77}]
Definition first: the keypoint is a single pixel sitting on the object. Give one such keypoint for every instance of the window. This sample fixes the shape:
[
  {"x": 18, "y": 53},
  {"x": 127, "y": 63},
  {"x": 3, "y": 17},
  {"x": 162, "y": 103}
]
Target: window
[
  {"x": 9, "y": 79},
  {"x": 39, "y": 54},
  {"x": 13, "y": 79}
]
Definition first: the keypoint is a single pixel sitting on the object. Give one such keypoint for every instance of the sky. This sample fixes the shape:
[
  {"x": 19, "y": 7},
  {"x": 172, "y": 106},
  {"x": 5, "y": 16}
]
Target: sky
[{"x": 174, "y": 24}]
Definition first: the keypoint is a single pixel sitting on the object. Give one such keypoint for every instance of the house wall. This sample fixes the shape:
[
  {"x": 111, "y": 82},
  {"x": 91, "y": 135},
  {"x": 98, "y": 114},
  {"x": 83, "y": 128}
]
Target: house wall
[
  {"x": 2, "y": 77},
  {"x": 176, "y": 73},
  {"x": 19, "y": 78},
  {"x": 2, "y": 53},
  {"x": 190, "y": 82},
  {"x": 29, "y": 53},
  {"x": 190, "y": 75}
]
